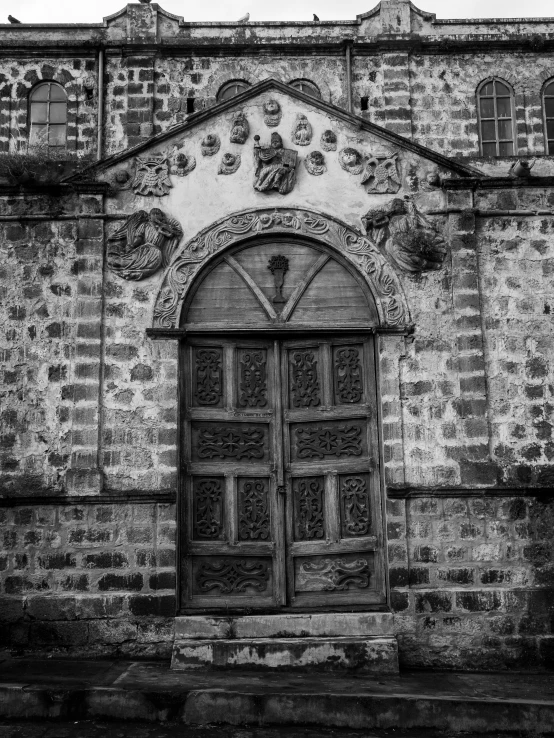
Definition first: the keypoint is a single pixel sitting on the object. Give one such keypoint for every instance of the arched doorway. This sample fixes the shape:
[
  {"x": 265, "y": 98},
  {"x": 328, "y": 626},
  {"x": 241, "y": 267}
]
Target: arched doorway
[{"x": 280, "y": 496}]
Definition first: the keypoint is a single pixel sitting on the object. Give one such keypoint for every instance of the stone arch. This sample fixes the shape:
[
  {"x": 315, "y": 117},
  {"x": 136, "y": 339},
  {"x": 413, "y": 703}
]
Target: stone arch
[{"x": 357, "y": 249}]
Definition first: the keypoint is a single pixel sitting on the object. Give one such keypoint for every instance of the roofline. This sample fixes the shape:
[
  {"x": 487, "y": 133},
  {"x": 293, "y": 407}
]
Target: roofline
[{"x": 268, "y": 84}]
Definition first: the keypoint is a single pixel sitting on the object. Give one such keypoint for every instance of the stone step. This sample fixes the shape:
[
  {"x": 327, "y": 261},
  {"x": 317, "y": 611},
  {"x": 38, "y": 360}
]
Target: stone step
[
  {"x": 366, "y": 654},
  {"x": 286, "y": 625}
]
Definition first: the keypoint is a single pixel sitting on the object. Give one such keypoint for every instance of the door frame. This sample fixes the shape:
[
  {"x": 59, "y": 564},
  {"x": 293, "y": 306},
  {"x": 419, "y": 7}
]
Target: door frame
[{"x": 281, "y": 334}]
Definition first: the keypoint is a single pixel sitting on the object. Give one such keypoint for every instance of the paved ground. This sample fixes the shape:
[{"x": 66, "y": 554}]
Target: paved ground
[
  {"x": 102, "y": 729},
  {"x": 265, "y": 705}
]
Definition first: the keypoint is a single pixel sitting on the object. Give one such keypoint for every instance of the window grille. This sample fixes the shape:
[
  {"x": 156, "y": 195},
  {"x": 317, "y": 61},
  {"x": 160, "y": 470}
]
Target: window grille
[
  {"x": 548, "y": 103},
  {"x": 307, "y": 87},
  {"x": 48, "y": 115},
  {"x": 496, "y": 119},
  {"x": 231, "y": 89}
]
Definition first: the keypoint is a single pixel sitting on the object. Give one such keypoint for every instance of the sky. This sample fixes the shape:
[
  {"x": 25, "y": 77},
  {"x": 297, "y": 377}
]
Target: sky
[{"x": 75, "y": 11}]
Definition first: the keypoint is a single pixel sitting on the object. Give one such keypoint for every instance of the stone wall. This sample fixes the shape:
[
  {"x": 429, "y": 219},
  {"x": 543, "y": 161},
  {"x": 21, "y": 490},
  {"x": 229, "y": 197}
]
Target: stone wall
[{"x": 89, "y": 579}]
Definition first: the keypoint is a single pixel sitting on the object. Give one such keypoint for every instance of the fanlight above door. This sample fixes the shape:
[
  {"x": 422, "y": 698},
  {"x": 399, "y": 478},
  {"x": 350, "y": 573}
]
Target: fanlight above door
[{"x": 280, "y": 283}]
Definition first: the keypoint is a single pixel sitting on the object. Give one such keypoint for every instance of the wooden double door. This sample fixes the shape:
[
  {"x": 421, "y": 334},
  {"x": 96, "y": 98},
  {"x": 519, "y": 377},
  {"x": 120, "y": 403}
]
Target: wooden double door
[{"x": 280, "y": 502}]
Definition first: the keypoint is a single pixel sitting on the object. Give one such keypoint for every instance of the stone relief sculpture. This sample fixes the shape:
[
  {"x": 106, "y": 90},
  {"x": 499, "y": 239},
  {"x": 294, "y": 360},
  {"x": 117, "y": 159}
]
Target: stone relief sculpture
[
  {"x": 210, "y": 144},
  {"x": 278, "y": 266},
  {"x": 229, "y": 164},
  {"x": 240, "y": 129},
  {"x": 152, "y": 176},
  {"x": 381, "y": 174},
  {"x": 182, "y": 164},
  {"x": 272, "y": 113},
  {"x": 328, "y": 141},
  {"x": 411, "y": 240},
  {"x": 351, "y": 160},
  {"x": 302, "y": 131},
  {"x": 315, "y": 163},
  {"x": 144, "y": 243},
  {"x": 121, "y": 179},
  {"x": 275, "y": 166},
  {"x": 358, "y": 249}
]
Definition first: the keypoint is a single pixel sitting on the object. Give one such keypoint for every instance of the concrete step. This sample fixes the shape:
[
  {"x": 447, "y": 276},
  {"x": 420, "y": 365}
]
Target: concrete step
[
  {"x": 361, "y": 642},
  {"x": 119, "y": 690},
  {"x": 365, "y": 655}
]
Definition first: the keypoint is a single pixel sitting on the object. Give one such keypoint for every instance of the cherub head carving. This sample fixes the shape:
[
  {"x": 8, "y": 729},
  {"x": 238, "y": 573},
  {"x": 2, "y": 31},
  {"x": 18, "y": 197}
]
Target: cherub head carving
[
  {"x": 329, "y": 141},
  {"x": 239, "y": 129},
  {"x": 210, "y": 144},
  {"x": 272, "y": 113},
  {"x": 351, "y": 160}
]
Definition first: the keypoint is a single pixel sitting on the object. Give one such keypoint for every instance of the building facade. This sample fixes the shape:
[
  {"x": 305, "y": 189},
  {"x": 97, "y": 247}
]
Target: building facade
[{"x": 276, "y": 340}]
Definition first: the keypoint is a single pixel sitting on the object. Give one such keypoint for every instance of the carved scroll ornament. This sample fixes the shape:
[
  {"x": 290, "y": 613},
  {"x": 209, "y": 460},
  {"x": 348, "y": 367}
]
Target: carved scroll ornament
[
  {"x": 360, "y": 250},
  {"x": 231, "y": 576},
  {"x": 411, "y": 240},
  {"x": 143, "y": 244},
  {"x": 333, "y": 574}
]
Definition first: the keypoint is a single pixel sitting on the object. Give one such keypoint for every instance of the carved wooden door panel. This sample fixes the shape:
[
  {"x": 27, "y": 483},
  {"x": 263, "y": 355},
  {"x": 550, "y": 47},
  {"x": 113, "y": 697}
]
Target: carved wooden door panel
[
  {"x": 233, "y": 515},
  {"x": 334, "y": 540}
]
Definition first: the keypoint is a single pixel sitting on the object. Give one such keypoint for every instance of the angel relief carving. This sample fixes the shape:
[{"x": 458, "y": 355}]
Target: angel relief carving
[
  {"x": 144, "y": 243},
  {"x": 410, "y": 239}
]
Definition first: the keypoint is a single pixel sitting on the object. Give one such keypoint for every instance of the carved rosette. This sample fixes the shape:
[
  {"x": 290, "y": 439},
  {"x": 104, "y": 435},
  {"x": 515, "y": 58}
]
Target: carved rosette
[{"x": 359, "y": 250}]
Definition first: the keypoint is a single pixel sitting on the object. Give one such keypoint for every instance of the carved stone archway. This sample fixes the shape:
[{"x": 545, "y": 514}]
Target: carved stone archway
[{"x": 359, "y": 250}]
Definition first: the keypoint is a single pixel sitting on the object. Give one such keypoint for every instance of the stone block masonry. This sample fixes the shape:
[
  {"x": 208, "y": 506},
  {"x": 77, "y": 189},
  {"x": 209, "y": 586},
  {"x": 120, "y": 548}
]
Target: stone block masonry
[
  {"x": 475, "y": 590},
  {"x": 91, "y": 579}
]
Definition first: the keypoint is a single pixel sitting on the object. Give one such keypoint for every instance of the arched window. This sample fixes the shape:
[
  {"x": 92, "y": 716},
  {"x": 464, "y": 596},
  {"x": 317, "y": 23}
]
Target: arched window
[
  {"x": 496, "y": 118},
  {"x": 548, "y": 105},
  {"x": 48, "y": 115},
  {"x": 307, "y": 87},
  {"x": 231, "y": 89}
]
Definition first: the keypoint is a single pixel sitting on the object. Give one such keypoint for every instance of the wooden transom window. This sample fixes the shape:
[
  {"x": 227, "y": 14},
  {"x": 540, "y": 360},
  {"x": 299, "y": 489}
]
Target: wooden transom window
[
  {"x": 496, "y": 119},
  {"x": 307, "y": 87},
  {"x": 231, "y": 89},
  {"x": 48, "y": 103},
  {"x": 548, "y": 97}
]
